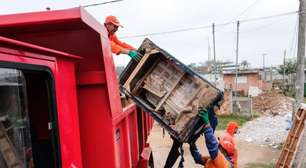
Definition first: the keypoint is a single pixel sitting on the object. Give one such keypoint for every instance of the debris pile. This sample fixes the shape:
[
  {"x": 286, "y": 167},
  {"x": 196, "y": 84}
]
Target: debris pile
[
  {"x": 272, "y": 103},
  {"x": 267, "y": 130}
]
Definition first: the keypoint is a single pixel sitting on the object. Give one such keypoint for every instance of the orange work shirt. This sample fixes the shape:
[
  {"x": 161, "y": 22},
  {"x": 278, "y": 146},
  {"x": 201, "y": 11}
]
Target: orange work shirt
[{"x": 117, "y": 45}]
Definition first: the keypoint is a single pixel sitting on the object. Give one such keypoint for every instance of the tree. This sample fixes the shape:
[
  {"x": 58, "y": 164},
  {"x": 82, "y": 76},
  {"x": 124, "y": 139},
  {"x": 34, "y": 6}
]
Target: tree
[
  {"x": 245, "y": 64},
  {"x": 289, "y": 67}
]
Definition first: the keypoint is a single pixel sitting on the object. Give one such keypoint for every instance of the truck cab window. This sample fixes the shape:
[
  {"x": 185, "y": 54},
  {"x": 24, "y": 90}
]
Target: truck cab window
[{"x": 25, "y": 139}]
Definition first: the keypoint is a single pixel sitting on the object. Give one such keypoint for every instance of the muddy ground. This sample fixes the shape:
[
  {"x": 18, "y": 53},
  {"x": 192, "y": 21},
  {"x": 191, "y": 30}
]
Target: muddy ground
[{"x": 248, "y": 152}]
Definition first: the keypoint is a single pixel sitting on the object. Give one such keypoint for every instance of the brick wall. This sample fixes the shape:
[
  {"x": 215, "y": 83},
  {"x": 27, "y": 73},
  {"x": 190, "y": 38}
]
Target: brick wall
[{"x": 253, "y": 79}]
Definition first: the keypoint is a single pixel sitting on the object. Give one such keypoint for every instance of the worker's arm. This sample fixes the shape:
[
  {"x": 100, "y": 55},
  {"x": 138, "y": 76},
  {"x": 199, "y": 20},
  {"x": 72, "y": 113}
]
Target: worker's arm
[
  {"x": 211, "y": 142},
  {"x": 119, "y": 47},
  {"x": 213, "y": 120},
  {"x": 212, "y": 145}
]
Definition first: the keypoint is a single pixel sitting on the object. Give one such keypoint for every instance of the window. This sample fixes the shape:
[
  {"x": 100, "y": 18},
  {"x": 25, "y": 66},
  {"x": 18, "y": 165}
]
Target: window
[
  {"x": 242, "y": 79},
  {"x": 25, "y": 114}
]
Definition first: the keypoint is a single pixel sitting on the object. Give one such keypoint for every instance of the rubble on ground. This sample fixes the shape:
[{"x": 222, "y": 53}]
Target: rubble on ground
[
  {"x": 266, "y": 130},
  {"x": 272, "y": 103}
]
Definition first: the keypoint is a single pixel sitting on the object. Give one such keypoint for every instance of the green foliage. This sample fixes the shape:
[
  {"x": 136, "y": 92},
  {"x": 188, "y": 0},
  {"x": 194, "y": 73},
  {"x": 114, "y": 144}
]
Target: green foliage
[
  {"x": 289, "y": 67},
  {"x": 245, "y": 64},
  {"x": 223, "y": 120},
  {"x": 259, "y": 165}
]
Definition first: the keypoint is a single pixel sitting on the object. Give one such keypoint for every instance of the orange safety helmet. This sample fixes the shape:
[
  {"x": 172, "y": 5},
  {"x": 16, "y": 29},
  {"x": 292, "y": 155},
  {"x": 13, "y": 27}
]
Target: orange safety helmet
[
  {"x": 231, "y": 126},
  {"x": 113, "y": 20}
]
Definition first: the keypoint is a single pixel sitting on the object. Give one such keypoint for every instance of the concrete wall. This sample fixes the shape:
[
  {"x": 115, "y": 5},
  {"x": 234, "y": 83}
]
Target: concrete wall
[{"x": 226, "y": 107}]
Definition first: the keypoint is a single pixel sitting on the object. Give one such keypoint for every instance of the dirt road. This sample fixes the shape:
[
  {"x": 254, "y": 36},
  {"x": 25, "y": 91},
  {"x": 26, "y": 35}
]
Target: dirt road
[{"x": 248, "y": 152}]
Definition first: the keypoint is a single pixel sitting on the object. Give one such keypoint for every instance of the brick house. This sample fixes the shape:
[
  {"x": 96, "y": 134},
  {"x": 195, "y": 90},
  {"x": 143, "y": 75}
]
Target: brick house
[{"x": 245, "y": 80}]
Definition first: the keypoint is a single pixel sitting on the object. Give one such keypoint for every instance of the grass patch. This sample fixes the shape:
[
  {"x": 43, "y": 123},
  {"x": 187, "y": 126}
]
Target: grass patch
[
  {"x": 259, "y": 165},
  {"x": 223, "y": 120}
]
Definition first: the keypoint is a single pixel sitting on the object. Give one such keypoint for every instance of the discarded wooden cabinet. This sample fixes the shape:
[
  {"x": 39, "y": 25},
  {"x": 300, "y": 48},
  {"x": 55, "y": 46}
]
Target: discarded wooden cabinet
[{"x": 167, "y": 89}]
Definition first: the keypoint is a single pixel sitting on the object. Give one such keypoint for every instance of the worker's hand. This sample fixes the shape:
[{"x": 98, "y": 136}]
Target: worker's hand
[
  {"x": 203, "y": 114},
  {"x": 134, "y": 55}
]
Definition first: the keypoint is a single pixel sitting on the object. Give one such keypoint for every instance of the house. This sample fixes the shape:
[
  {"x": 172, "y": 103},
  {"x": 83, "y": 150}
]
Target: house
[{"x": 246, "y": 80}]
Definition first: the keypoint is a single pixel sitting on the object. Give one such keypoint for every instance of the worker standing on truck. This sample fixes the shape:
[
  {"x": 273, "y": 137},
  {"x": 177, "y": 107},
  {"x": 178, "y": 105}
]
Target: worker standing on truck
[
  {"x": 176, "y": 149},
  {"x": 218, "y": 158},
  {"x": 118, "y": 47}
]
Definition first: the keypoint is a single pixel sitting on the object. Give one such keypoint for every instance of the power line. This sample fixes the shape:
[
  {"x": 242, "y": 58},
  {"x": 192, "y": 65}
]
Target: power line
[
  {"x": 264, "y": 26},
  {"x": 269, "y": 17},
  {"x": 256, "y": 28},
  {"x": 167, "y": 32},
  {"x": 208, "y": 26},
  {"x": 293, "y": 42},
  {"x": 244, "y": 11},
  {"x": 101, "y": 3}
]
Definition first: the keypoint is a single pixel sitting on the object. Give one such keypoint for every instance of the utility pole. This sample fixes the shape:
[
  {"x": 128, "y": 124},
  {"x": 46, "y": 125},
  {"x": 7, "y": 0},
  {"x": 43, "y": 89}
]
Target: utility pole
[
  {"x": 284, "y": 67},
  {"x": 209, "y": 59},
  {"x": 271, "y": 73},
  {"x": 214, "y": 45},
  {"x": 299, "y": 160},
  {"x": 237, "y": 47},
  {"x": 299, "y": 85},
  {"x": 263, "y": 66},
  {"x": 208, "y": 46}
]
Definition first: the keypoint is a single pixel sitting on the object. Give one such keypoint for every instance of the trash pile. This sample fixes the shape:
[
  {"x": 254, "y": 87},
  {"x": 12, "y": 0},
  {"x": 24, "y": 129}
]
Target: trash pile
[
  {"x": 272, "y": 103},
  {"x": 267, "y": 130},
  {"x": 274, "y": 124}
]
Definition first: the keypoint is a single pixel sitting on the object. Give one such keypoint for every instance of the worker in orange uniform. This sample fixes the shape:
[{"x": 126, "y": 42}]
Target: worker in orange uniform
[
  {"x": 118, "y": 47},
  {"x": 228, "y": 143},
  {"x": 216, "y": 158}
]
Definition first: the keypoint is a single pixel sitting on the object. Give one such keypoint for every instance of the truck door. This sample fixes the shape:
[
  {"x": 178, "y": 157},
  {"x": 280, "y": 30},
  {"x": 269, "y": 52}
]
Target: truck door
[{"x": 28, "y": 134}]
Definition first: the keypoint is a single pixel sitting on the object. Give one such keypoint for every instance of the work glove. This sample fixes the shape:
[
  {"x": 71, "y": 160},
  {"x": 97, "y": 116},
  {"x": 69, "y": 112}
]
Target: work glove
[
  {"x": 134, "y": 55},
  {"x": 203, "y": 114}
]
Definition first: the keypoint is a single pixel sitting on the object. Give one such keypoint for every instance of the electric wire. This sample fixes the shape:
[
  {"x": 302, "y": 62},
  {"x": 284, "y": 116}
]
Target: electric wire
[
  {"x": 101, "y": 3},
  {"x": 264, "y": 26},
  {"x": 208, "y": 26},
  {"x": 244, "y": 11},
  {"x": 294, "y": 35}
]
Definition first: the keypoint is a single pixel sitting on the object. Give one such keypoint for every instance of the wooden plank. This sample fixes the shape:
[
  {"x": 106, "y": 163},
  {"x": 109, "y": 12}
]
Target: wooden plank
[
  {"x": 139, "y": 83},
  {"x": 8, "y": 151},
  {"x": 154, "y": 91},
  {"x": 197, "y": 92},
  {"x": 137, "y": 68},
  {"x": 293, "y": 140},
  {"x": 301, "y": 127},
  {"x": 169, "y": 92}
]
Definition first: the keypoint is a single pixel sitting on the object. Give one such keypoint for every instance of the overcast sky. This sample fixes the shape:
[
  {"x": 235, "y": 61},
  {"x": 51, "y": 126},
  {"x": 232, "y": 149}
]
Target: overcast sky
[{"x": 270, "y": 36}]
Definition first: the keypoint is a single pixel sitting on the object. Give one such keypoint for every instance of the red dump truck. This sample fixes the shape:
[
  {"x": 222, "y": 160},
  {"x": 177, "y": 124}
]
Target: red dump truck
[{"x": 59, "y": 96}]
